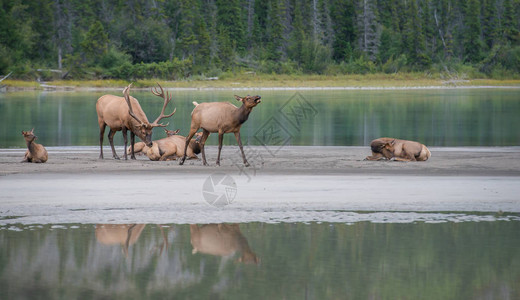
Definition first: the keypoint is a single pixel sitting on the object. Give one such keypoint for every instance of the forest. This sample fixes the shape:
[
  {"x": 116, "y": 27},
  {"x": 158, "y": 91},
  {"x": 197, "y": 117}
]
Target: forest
[{"x": 181, "y": 39}]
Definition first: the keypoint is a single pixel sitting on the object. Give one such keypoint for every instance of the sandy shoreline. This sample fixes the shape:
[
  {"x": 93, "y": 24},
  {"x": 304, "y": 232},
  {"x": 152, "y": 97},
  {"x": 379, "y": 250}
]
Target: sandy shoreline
[
  {"x": 290, "y": 160},
  {"x": 292, "y": 184}
]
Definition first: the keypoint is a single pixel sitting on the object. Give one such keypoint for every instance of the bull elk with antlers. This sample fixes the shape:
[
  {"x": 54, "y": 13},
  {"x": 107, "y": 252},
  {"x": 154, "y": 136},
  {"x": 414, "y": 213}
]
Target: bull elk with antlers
[
  {"x": 125, "y": 113},
  {"x": 221, "y": 117}
]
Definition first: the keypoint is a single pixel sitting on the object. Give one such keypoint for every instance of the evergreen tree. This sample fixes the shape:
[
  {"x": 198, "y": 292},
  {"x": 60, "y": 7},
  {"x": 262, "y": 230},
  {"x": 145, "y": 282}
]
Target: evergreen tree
[
  {"x": 490, "y": 23},
  {"x": 368, "y": 28},
  {"x": 414, "y": 41},
  {"x": 95, "y": 43},
  {"x": 472, "y": 41},
  {"x": 342, "y": 13}
]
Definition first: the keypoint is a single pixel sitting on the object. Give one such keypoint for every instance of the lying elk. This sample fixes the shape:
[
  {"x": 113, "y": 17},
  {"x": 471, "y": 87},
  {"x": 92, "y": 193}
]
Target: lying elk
[
  {"x": 221, "y": 117},
  {"x": 118, "y": 115},
  {"x": 140, "y": 147},
  {"x": 173, "y": 146},
  {"x": 401, "y": 150},
  {"x": 35, "y": 153},
  {"x": 221, "y": 240}
]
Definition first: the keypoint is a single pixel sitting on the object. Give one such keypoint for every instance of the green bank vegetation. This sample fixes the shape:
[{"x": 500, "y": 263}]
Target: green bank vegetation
[
  {"x": 401, "y": 80},
  {"x": 187, "y": 42}
]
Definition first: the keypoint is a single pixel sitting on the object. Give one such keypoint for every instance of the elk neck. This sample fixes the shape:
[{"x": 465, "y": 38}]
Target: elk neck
[
  {"x": 30, "y": 145},
  {"x": 242, "y": 113}
]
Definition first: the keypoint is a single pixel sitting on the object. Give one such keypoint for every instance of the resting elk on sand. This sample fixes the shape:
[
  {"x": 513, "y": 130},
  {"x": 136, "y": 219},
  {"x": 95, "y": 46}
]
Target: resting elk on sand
[
  {"x": 172, "y": 147},
  {"x": 125, "y": 113},
  {"x": 400, "y": 150},
  {"x": 35, "y": 153},
  {"x": 169, "y": 148},
  {"x": 140, "y": 148},
  {"x": 221, "y": 117}
]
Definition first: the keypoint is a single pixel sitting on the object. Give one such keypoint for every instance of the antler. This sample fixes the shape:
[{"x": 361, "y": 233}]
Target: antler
[
  {"x": 167, "y": 98},
  {"x": 127, "y": 98}
]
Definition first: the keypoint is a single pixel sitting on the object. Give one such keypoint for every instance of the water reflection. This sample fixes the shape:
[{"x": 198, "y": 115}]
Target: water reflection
[
  {"x": 221, "y": 240},
  {"x": 124, "y": 235},
  {"x": 467, "y": 260}
]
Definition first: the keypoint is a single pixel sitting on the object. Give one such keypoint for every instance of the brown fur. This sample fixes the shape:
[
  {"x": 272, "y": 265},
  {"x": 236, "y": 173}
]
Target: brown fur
[
  {"x": 221, "y": 117},
  {"x": 35, "y": 153},
  {"x": 401, "y": 150},
  {"x": 221, "y": 240},
  {"x": 123, "y": 234},
  {"x": 125, "y": 113},
  {"x": 170, "y": 148},
  {"x": 140, "y": 148}
]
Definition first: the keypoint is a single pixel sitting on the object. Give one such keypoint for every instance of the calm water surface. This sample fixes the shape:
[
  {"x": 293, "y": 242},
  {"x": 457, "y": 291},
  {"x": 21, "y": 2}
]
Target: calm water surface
[
  {"x": 468, "y": 260},
  {"x": 436, "y": 117}
]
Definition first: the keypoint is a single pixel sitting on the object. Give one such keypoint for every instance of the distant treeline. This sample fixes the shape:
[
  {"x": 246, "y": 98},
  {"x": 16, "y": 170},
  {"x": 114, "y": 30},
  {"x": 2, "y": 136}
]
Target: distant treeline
[{"x": 188, "y": 38}]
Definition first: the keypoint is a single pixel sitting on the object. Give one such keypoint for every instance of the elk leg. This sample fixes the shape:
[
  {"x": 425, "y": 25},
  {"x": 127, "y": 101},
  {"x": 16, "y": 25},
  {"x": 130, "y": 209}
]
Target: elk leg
[
  {"x": 205, "y": 135},
  {"x": 169, "y": 152},
  {"x": 111, "y": 140},
  {"x": 188, "y": 138},
  {"x": 125, "y": 139},
  {"x": 237, "y": 136},
  {"x": 101, "y": 133},
  {"x": 375, "y": 156},
  {"x": 220, "y": 139},
  {"x": 132, "y": 142}
]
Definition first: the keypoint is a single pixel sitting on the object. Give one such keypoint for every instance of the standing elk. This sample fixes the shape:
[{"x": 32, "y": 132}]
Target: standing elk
[
  {"x": 118, "y": 115},
  {"x": 35, "y": 153},
  {"x": 221, "y": 117},
  {"x": 400, "y": 150}
]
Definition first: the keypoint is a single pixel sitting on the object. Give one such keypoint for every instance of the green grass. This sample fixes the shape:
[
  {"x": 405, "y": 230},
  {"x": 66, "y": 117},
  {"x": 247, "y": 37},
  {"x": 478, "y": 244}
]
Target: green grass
[{"x": 273, "y": 80}]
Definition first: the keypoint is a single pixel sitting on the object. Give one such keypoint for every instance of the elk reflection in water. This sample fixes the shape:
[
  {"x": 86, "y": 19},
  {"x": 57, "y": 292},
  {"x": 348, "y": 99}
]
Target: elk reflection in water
[
  {"x": 125, "y": 235},
  {"x": 221, "y": 240}
]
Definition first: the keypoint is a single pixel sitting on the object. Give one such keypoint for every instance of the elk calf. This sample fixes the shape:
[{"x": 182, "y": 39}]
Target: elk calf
[
  {"x": 401, "y": 150},
  {"x": 35, "y": 152},
  {"x": 221, "y": 117}
]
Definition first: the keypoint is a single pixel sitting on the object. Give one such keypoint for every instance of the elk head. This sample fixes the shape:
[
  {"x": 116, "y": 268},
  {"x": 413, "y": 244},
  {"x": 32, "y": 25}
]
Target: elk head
[
  {"x": 249, "y": 101},
  {"x": 390, "y": 146},
  {"x": 29, "y": 135},
  {"x": 144, "y": 129},
  {"x": 171, "y": 132}
]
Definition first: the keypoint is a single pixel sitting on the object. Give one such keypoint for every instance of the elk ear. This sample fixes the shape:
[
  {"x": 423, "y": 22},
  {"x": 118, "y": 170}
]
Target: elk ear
[
  {"x": 32, "y": 130},
  {"x": 239, "y": 98},
  {"x": 392, "y": 142}
]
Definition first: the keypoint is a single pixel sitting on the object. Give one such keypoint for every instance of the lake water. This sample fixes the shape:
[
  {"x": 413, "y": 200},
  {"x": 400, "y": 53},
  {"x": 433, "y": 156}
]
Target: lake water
[
  {"x": 467, "y": 260},
  {"x": 436, "y": 117}
]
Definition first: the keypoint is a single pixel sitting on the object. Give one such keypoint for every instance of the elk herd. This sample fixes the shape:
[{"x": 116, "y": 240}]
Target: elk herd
[{"x": 125, "y": 114}]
